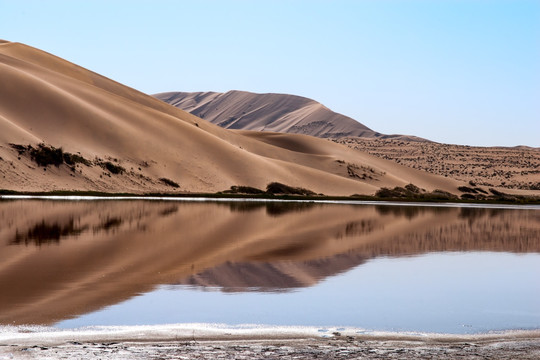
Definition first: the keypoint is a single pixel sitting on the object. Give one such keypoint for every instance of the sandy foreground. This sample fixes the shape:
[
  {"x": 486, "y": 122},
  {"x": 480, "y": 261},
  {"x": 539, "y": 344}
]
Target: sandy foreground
[{"x": 199, "y": 341}]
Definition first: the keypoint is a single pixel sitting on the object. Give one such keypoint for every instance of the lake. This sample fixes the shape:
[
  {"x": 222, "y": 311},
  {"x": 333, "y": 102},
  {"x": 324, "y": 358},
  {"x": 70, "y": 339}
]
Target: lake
[{"x": 390, "y": 267}]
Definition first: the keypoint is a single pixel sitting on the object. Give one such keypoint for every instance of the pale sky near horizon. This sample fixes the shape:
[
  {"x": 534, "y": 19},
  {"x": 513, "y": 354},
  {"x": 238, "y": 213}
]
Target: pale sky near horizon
[{"x": 453, "y": 71}]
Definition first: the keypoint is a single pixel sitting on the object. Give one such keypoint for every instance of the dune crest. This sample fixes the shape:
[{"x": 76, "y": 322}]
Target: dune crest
[{"x": 271, "y": 112}]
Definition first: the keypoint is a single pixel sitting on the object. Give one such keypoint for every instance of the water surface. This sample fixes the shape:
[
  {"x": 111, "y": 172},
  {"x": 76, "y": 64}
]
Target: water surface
[{"x": 440, "y": 269}]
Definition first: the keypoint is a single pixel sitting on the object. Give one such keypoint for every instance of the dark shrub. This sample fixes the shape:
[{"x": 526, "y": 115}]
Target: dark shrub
[
  {"x": 279, "y": 188},
  {"x": 47, "y": 155},
  {"x": 169, "y": 182},
  {"x": 412, "y": 188},
  {"x": 466, "y": 189},
  {"x": 21, "y": 149},
  {"x": 115, "y": 169},
  {"x": 72, "y": 159},
  {"x": 441, "y": 195},
  {"x": 243, "y": 190},
  {"x": 386, "y": 193}
]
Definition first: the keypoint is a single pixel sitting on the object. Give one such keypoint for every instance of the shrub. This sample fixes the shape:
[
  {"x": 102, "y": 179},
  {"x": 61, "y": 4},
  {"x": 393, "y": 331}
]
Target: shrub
[
  {"x": 441, "y": 195},
  {"x": 72, "y": 159},
  {"x": 412, "y": 188},
  {"x": 47, "y": 155},
  {"x": 466, "y": 189},
  {"x": 413, "y": 192},
  {"x": 243, "y": 190},
  {"x": 21, "y": 149},
  {"x": 115, "y": 169},
  {"x": 169, "y": 182},
  {"x": 279, "y": 188}
]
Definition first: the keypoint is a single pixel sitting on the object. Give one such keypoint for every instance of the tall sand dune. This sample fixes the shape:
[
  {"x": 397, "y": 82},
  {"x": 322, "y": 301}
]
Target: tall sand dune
[
  {"x": 45, "y": 99},
  {"x": 271, "y": 112}
]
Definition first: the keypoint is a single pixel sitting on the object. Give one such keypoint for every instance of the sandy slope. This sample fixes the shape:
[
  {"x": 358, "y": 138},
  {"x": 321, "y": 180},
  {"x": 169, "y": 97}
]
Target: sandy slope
[
  {"x": 47, "y": 99},
  {"x": 270, "y": 112},
  {"x": 508, "y": 167}
]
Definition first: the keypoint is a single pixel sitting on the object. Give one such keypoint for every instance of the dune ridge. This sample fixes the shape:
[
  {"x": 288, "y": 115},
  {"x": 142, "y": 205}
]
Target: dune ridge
[
  {"x": 45, "y": 99},
  {"x": 271, "y": 112}
]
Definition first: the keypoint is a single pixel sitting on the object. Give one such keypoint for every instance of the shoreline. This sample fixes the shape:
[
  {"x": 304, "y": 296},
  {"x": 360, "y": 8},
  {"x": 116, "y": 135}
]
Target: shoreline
[
  {"x": 207, "y": 341},
  {"x": 276, "y": 199},
  {"x": 29, "y": 334}
]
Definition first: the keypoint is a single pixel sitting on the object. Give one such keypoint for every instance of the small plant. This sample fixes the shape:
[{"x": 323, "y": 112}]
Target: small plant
[
  {"x": 412, "y": 188},
  {"x": 279, "y": 188},
  {"x": 169, "y": 182},
  {"x": 21, "y": 149},
  {"x": 112, "y": 168},
  {"x": 243, "y": 190},
  {"x": 466, "y": 189},
  {"x": 45, "y": 155},
  {"x": 72, "y": 159}
]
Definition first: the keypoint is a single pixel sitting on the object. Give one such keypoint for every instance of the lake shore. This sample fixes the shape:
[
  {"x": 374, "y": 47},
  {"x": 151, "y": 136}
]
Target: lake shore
[
  {"x": 210, "y": 342},
  {"x": 221, "y": 197}
]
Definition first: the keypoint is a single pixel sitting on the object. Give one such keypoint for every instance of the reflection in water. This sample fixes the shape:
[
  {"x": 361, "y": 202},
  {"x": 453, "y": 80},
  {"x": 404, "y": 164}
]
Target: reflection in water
[
  {"x": 43, "y": 233},
  {"x": 272, "y": 208},
  {"x": 109, "y": 251},
  {"x": 108, "y": 224}
]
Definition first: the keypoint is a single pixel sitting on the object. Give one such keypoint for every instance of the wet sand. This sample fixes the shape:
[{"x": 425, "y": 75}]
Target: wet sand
[{"x": 268, "y": 344}]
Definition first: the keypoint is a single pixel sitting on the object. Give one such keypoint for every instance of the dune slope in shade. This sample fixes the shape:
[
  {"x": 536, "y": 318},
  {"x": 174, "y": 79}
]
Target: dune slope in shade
[{"x": 45, "y": 99}]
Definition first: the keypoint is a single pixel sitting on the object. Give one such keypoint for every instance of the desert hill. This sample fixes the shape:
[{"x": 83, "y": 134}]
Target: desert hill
[
  {"x": 270, "y": 112},
  {"x": 505, "y": 167},
  {"x": 118, "y": 139}
]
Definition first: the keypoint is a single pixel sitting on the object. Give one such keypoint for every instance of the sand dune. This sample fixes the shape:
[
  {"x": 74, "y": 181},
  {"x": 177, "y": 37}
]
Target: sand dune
[
  {"x": 270, "y": 112},
  {"x": 45, "y": 99},
  {"x": 62, "y": 259},
  {"x": 506, "y": 167}
]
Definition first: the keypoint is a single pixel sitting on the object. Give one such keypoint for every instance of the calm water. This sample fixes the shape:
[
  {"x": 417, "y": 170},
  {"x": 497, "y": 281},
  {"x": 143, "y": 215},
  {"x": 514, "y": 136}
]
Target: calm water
[{"x": 374, "y": 267}]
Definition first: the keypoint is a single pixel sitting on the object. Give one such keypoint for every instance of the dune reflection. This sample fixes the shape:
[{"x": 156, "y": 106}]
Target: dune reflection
[{"x": 62, "y": 259}]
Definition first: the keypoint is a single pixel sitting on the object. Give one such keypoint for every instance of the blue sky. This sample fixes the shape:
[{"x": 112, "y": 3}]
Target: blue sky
[{"x": 464, "y": 72}]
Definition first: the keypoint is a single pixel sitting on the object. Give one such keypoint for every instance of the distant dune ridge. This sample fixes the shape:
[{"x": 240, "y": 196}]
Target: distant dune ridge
[
  {"x": 271, "y": 112},
  {"x": 45, "y": 99}
]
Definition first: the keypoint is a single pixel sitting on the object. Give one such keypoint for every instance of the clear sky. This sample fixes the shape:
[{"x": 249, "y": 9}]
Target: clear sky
[{"x": 463, "y": 72}]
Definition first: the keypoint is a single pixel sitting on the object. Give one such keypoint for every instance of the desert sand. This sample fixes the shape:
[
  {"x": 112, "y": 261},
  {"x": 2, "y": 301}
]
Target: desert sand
[
  {"x": 45, "y": 99},
  {"x": 266, "y": 112},
  {"x": 506, "y": 167},
  {"x": 283, "y": 113}
]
